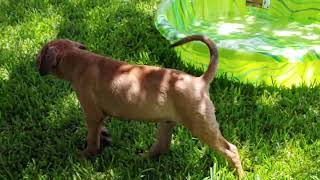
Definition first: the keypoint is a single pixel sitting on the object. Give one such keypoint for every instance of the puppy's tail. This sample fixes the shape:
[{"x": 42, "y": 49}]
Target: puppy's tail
[{"x": 209, "y": 75}]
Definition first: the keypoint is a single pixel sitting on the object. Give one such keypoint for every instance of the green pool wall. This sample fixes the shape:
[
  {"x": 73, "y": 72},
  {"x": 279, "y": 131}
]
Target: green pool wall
[{"x": 279, "y": 45}]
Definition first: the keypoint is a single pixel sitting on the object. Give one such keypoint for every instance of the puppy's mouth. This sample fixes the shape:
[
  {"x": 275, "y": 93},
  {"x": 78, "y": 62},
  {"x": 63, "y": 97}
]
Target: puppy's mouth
[{"x": 41, "y": 72}]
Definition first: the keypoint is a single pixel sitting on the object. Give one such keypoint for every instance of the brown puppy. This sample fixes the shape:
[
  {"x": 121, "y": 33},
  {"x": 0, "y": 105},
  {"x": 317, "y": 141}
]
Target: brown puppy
[{"x": 106, "y": 87}]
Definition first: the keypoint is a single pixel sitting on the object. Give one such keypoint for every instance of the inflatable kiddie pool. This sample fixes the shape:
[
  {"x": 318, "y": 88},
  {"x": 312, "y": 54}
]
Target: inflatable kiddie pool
[{"x": 270, "y": 41}]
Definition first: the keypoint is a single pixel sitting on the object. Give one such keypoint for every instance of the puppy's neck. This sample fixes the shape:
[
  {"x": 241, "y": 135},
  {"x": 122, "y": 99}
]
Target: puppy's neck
[{"x": 71, "y": 64}]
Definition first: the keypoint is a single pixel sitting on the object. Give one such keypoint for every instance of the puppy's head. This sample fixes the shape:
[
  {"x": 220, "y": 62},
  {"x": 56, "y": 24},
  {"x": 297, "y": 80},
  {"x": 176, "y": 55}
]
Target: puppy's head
[{"x": 51, "y": 53}]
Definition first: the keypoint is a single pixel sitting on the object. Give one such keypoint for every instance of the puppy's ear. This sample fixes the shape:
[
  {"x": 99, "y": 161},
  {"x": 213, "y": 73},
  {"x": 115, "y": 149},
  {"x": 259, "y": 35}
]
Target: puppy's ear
[
  {"x": 80, "y": 46},
  {"x": 38, "y": 60},
  {"x": 48, "y": 60}
]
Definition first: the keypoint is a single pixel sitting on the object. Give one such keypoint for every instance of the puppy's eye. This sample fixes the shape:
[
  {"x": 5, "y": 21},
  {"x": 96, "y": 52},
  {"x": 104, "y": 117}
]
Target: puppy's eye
[{"x": 82, "y": 47}]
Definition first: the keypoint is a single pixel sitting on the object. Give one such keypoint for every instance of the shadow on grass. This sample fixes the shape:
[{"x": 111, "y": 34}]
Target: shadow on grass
[{"x": 42, "y": 124}]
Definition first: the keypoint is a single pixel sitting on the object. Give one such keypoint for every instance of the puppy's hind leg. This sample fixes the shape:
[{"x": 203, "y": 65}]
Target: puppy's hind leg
[
  {"x": 163, "y": 141},
  {"x": 206, "y": 128}
]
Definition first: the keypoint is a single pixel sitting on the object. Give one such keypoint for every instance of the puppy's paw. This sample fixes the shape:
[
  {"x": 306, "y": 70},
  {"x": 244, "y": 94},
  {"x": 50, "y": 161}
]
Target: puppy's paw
[
  {"x": 86, "y": 154},
  {"x": 144, "y": 155},
  {"x": 241, "y": 174},
  {"x": 149, "y": 154},
  {"x": 105, "y": 141}
]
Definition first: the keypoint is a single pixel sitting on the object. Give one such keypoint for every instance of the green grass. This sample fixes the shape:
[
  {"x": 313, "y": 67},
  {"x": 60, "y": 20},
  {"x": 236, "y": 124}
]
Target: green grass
[{"x": 41, "y": 124}]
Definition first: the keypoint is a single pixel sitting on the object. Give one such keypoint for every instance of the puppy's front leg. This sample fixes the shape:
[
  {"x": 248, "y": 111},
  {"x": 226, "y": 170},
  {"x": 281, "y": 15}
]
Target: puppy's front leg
[
  {"x": 94, "y": 121},
  {"x": 162, "y": 144},
  {"x": 105, "y": 139}
]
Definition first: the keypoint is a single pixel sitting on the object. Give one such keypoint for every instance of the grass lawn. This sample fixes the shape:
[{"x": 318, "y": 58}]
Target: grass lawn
[{"x": 41, "y": 124}]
